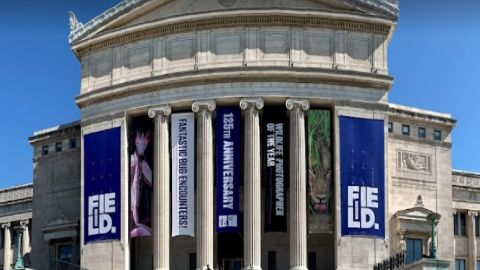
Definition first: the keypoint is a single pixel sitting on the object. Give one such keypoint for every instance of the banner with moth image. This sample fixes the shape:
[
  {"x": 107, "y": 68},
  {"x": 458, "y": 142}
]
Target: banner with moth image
[
  {"x": 183, "y": 164},
  {"x": 362, "y": 176},
  {"x": 227, "y": 174},
  {"x": 102, "y": 185},
  {"x": 319, "y": 175},
  {"x": 275, "y": 164},
  {"x": 141, "y": 176}
]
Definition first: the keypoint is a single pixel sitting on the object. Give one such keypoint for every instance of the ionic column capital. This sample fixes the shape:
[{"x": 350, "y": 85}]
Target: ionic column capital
[
  {"x": 24, "y": 223},
  {"x": 472, "y": 213},
  {"x": 251, "y": 103},
  {"x": 6, "y": 225},
  {"x": 164, "y": 110},
  {"x": 297, "y": 104},
  {"x": 204, "y": 105}
]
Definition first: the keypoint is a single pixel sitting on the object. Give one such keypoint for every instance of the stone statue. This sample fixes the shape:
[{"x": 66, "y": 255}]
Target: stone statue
[{"x": 73, "y": 22}]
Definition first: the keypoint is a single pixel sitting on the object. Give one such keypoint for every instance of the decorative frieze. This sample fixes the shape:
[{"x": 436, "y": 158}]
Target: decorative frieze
[
  {"x": 414, "y": 162},
  {"x": 235, "y": 21},
  {"x": 466, "y": 181},
  {"x": 16, "y": 194}
]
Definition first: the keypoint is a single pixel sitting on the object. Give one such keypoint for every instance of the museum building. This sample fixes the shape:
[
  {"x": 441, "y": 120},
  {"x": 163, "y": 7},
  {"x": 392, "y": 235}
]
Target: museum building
[{"x": 241, "y": 134}]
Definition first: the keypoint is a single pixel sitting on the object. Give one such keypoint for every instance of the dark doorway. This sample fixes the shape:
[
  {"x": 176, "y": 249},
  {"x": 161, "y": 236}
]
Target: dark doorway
[{"x": 230, "y": 249}]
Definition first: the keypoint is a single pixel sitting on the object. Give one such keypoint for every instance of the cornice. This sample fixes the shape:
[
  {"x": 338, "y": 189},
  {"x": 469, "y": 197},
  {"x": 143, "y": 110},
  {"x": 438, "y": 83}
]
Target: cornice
[
  {"x": 416, "y": 115},
  {"x": 65, "y": 129},
  {"x": 226, "y": 19},
  {"x": 241, "y": 74}
]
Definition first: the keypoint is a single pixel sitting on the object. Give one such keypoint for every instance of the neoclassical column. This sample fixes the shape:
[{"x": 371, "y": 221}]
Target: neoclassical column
[
  {"x": 298, "y": 184},
  {"x": 7, "y": 243},
  {"x": 472, "y": 240},
  {"x": 205, "y": 223},
  {"x": 26, "y": 239},
  {"x": 252, "y": 183},
  {"x": 161, "y": 185}
]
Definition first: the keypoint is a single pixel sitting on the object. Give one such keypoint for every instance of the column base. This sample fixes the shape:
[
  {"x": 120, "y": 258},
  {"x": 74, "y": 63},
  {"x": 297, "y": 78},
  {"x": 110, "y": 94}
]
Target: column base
[
  {"x": 298, "y": 268},
  {"x": 252, "y": 268},
  {"x": 205, "y": 267}
]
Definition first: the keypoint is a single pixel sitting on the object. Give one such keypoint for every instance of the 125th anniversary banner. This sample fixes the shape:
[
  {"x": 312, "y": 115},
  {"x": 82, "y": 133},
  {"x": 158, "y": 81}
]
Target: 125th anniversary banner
[{"x": 227, "y": 174}]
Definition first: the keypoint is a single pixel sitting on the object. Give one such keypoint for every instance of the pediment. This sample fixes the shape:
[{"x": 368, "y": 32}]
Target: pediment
[
  {"x": 416, "y": 213},
  {"x": 133, "y": 12}
]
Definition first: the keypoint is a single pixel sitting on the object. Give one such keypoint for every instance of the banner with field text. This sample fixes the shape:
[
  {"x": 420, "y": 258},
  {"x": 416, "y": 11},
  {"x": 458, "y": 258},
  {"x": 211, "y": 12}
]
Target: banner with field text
[
  {"x": 183, "y": 164},
  {"x": 141, "y": 176},
  {"x": 319, "y": 175},
  {"x": 227, "y": 174},
  {"x": 102, "y": 185},
  {"x": 362, "y": 176},
  {"x": 275, "y": 164}
]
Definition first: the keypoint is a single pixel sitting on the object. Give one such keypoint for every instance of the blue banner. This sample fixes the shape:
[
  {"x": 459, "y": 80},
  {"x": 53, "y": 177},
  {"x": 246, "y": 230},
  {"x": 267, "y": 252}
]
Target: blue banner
[
  {"x": 102, "y": 185},
  {"x": 362, "y": 162},
  {"x": 227, "y": 175}
]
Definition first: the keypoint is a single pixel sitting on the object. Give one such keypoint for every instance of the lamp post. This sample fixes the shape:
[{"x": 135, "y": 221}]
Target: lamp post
[
  {"x": 433, "y": 247},
  {"x": 19, "y": 262}
]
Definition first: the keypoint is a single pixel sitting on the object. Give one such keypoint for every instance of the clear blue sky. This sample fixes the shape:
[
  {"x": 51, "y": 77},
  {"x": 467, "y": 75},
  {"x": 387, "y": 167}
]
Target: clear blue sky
[{"x": 434, "y": 56}]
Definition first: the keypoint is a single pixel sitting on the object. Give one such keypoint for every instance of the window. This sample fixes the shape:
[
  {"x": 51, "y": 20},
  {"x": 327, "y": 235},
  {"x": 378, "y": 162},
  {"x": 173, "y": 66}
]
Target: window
[
  {"x": 272, "y": 260},
  {"x": 478, "y": 264},
  {"x": 406, "y": 130},
  {"x": 193, "y": 261},
  {"x": 455, "y": 224},
  {"x": 13, "y": 236},
  {"x": 459, "y": 264},
  {"x": 437, "y": 135},
  {"x": 421, "y": 132},
  {"x": 414, "y": 250},
  {"x": 73, "y": 143},
  {"x": 463, "y": 224},
  {"x": 460, "y": 224},
  {"x": 477, "y": 228},
  {"x": 58, "y": 147},
  {"x": 312, "y": 260},
  {"x": 390, "y": 127},
  {"x": 64, "y": 255},
  {"x": 1, "y": 238},
  {"x": 45, "y": 150}
]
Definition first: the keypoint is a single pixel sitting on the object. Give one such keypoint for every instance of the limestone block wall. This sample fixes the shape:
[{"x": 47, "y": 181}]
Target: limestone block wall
[
  {"x": 421, "y": 166},
  {"x": 56, "y": 193}
]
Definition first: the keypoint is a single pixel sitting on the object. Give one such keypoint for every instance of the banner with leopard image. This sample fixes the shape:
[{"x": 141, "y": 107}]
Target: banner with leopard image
[{"x": 319, "y": 176}]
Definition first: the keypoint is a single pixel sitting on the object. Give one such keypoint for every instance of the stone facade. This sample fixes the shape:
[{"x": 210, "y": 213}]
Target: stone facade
[
  {"x": 15, "y": 214},
  {"x": 160, "y": 57},
  {"x": 56, "y": 196}
]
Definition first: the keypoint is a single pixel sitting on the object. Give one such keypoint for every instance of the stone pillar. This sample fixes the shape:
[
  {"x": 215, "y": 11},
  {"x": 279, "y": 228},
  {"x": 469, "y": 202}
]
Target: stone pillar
[
  {"x": 252, "y": 183},
  {"x": 298, "y": 184},
  {"x": 161, "y": 185},
  {"x": 26, "y": 240},
  {"x": 472, "y": 240},
  {"x": 7, "y": 244},
  {"x": 205, "y": 195}
]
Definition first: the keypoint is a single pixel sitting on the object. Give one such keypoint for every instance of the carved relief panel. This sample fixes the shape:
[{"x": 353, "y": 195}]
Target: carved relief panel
[{"x": 414, "y": 162}]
